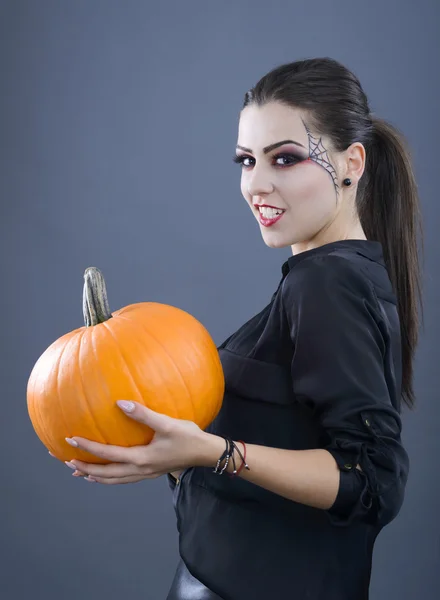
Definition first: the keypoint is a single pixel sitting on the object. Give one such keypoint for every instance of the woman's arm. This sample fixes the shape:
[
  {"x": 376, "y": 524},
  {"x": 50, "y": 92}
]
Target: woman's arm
[
  {"x": 307, "y": 476},
  {"x": 343, "y": 371}
]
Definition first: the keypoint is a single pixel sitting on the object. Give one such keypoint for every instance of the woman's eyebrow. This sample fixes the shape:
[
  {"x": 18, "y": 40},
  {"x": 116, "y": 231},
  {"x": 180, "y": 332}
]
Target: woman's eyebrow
[{"x": 272, "y": 146}]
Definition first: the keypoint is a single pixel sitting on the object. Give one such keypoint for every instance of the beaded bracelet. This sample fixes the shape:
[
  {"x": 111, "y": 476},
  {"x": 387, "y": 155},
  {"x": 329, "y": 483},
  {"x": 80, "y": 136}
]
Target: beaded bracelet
[{"x": 231, "y": 446}]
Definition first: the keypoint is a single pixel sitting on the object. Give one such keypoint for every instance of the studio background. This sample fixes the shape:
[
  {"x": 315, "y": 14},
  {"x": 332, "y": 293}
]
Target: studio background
[{"x": 118, "y": 122}]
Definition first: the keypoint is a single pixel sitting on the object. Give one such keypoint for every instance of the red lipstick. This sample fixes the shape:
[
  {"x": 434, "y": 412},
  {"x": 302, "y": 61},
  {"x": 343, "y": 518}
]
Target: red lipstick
[
  {"x": 264, "y": 220},
  {"x": 269, "y": 222}
]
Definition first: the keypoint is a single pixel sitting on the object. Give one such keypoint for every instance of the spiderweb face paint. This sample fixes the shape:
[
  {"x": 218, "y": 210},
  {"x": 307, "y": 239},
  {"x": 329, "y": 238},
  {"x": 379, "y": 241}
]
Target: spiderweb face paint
[{"x": 319, "y": 154}]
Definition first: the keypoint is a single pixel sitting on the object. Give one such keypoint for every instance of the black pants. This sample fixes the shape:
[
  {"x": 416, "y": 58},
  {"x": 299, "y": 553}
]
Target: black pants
[{"x": 187, "y": 587}]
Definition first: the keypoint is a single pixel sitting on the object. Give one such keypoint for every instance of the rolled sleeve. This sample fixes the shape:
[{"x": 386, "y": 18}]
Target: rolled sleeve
[{"x": 339, "y": 342}]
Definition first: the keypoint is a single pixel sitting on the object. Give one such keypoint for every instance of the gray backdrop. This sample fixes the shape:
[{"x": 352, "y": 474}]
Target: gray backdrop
[{"x": 118, "y": 120}]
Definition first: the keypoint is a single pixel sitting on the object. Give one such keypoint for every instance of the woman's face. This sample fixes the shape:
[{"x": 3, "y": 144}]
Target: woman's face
[{"x": 298, "y": 177}]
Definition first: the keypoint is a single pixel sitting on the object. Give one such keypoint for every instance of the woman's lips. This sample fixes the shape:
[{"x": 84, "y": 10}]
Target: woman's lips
[{"x": 269, "y": 222}]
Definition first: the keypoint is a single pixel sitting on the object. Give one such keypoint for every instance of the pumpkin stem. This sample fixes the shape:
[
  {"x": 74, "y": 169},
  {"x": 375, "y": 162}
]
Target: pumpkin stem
[{"x": 96, "y": 308}]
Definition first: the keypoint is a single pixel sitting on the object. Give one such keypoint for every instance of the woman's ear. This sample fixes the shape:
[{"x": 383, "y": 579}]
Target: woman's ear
[{"x": 354, "y": 162}]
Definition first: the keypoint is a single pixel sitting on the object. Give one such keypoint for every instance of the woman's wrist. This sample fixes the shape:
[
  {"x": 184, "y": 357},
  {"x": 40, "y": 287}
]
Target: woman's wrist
[{"x": 213, "y": 448}]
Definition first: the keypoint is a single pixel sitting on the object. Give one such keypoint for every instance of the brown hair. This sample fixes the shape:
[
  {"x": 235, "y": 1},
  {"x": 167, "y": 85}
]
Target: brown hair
[{"x": 387, "y": 198}]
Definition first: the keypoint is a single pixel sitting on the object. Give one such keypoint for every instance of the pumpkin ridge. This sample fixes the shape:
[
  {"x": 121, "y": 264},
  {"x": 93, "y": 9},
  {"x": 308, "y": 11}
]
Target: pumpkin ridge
[
  {"x": 57, "y": 372},
  {"x": 201, "y": 328},
  {"x": 37, "y": 408},
  {"x": 118, "y": 348},
  {"x": 171, "y": 360},
  {"x": 105, "y": 441}
]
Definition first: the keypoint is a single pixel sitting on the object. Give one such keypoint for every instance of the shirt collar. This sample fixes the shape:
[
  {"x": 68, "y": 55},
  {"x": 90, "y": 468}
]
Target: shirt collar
[{"x": 369, "y": 248}]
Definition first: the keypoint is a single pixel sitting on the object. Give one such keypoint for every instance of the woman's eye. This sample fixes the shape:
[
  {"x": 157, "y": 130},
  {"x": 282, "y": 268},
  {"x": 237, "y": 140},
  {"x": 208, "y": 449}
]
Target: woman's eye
[
  {"x": 280, "y": 160},
  {"x": 240, "y": 159},
  {"x": 288, "y": 157}
]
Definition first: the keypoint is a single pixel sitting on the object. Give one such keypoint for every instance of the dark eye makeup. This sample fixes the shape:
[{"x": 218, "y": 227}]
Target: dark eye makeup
[{"x": 292, "y": 159}]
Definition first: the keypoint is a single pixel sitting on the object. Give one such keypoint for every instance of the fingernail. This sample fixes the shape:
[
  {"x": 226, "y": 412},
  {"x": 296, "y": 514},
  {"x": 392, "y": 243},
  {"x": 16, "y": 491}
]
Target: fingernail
[
  {"x": 125, "y": 405},
  {"x": 72, "y": 442},
  {"x": 52, "y": 454},
  {"x": 70, "y": 464},
  {"x": 90, "y": 479}
]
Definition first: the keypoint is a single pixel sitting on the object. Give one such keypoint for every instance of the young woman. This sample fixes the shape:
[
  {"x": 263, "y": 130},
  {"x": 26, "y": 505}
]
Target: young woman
[
  {"x": 314, "y": 382},
  {"x": 321, "y": 370}
]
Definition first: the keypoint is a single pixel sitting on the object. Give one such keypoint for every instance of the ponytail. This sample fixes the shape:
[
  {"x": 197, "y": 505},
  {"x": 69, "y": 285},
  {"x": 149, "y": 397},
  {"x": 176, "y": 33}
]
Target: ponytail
[{"x": 389, "y": 211}]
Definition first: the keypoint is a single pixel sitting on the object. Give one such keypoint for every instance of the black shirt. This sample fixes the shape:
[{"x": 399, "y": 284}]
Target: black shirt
[{"x": 318, "y": 367}]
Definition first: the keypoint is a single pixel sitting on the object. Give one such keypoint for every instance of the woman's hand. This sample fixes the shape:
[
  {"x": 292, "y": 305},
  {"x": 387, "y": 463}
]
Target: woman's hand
[{"x": 176, "y": 445}]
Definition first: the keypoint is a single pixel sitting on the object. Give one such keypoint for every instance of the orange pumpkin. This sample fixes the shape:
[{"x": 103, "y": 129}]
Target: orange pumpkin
[{"x": 155, "y": 354}]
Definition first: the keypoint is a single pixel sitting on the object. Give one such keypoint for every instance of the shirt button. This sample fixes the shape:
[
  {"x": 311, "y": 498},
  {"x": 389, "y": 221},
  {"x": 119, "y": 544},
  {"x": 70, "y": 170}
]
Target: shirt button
[
  {"x": 348, "y": 466},
  {"x": 367, "y": 422}
]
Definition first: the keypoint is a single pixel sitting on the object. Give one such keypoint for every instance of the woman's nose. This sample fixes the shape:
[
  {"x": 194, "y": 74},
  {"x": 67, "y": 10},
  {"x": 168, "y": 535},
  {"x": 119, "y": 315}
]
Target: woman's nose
[{"x": 259, "y": 184}]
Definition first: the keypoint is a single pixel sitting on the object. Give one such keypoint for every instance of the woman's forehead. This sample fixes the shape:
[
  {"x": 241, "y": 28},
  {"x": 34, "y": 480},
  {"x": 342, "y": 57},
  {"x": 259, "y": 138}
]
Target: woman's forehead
[{"x": 270, "y": 123}]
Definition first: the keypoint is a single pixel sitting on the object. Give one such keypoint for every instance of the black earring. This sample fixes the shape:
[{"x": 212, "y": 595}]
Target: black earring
[{"x": 347, "y": 182}]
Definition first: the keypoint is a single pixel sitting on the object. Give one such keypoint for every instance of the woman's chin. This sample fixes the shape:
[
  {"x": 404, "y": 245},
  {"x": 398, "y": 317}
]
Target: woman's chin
[{"x": 276, "y": 242}]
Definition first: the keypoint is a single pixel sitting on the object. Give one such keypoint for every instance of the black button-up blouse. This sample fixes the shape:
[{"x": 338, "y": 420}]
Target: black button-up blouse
[{"x": 318, "y": 367}]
